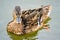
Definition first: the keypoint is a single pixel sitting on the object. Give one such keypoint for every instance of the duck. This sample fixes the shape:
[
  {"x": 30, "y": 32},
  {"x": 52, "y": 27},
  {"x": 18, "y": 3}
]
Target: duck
[{"x": 28, "y": 21}]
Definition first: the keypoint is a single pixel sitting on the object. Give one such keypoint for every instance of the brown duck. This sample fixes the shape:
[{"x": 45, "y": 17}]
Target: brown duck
[{"x": 29, "y": 20}]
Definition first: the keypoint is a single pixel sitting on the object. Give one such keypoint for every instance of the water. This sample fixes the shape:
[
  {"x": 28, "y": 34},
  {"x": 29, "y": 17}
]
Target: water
[{"x": 6, "y": 9}]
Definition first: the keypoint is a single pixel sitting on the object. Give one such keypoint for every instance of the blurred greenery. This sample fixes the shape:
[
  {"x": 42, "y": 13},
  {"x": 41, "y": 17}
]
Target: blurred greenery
[
  {"x": 29, "y": 36},
  {"x": 46, "y": 21}
]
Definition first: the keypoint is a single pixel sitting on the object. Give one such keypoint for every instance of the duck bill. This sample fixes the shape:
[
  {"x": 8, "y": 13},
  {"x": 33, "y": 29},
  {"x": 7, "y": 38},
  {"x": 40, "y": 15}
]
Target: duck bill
[{"x": 18, "y": 19}]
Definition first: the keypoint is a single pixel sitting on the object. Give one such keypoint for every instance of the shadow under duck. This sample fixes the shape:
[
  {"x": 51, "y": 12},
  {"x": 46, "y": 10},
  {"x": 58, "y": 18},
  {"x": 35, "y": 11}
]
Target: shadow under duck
[{"x": 29, "y": 20}]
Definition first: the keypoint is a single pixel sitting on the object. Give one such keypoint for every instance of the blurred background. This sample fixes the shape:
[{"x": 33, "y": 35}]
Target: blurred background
[{"x": 7, "y": 7}]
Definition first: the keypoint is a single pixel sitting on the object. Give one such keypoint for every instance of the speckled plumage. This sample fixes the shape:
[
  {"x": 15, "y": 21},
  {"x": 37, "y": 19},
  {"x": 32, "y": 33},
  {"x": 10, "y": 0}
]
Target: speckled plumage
[{"x": 29, "y": 20}]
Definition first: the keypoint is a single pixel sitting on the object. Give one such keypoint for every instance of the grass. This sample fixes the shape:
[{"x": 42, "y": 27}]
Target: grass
[{"x": 46, "y": 21}]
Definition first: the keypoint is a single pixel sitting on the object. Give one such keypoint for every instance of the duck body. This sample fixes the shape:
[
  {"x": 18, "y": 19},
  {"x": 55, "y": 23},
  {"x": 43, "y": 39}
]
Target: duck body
[{"x": 29, "y": 21}]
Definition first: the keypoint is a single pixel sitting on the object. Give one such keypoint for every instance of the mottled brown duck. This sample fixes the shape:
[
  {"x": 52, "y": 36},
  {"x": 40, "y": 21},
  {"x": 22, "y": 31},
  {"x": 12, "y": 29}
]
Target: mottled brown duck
[{"x": 29, "y": 20}]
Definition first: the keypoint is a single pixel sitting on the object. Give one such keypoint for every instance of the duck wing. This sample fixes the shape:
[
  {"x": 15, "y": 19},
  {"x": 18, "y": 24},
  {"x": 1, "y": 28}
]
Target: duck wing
[{"x": 29, "y": 17}]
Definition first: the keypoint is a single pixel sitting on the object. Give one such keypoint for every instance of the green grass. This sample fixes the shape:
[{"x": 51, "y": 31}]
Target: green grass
[
  {"x": 29, "y": 36},
  {"x": 46, "y": 21}
]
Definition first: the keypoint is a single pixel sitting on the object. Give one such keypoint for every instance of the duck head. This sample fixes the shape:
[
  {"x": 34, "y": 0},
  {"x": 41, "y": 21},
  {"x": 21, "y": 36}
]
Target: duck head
[{"x": 17, "y": 14}]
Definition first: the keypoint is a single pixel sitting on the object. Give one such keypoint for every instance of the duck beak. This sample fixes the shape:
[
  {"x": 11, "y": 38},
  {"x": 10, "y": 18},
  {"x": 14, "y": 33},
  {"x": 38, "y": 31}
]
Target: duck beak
[{"x": 18, "y": 19}]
